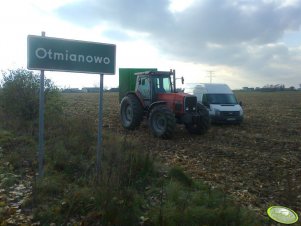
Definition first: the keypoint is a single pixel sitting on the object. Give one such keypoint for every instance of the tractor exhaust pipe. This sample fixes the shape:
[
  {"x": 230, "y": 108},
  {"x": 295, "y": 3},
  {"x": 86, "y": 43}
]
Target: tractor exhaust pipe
[{"x": 173, "y": 72}]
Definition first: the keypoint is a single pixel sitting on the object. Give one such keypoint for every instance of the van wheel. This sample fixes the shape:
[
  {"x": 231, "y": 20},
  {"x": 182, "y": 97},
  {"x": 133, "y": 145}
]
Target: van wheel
[{"x": 203, "y": 123}]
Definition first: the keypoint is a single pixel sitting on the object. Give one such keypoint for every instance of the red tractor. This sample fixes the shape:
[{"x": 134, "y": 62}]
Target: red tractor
[{"x": 156, "y": 98}]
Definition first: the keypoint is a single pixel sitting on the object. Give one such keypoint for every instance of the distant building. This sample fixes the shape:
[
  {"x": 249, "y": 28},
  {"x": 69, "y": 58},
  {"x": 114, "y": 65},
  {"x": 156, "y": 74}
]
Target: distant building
[
  {"x": 247, "y": 89},
  {"x": 71, "y": 90},
  {"x": 90, "y": 89},
  {"x": 87, "y": 90},
  {"x": 113, "y": 90}
]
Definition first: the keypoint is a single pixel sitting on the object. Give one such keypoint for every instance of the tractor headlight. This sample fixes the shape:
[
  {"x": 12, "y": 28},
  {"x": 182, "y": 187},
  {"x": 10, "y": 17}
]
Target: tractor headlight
[
  {"x": 194, "y": 108},
  {"x": 187, "y": 109}
]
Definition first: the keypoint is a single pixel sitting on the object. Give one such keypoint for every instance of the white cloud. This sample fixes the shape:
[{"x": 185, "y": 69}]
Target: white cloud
[
  {"x": 179, "y": 5},
  {"x": 243, "y": 41}
]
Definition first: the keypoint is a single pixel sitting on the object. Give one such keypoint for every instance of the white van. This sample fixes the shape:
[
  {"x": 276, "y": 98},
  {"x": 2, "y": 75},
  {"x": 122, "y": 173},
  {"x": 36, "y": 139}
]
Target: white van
[{"x": 219, "y": 99}]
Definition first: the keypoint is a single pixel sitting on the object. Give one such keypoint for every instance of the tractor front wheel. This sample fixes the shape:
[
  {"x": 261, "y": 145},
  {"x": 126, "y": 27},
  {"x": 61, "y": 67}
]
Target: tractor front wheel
[
  {"x": 131, "y": 112},
  {"x": 162, "y": 121}
]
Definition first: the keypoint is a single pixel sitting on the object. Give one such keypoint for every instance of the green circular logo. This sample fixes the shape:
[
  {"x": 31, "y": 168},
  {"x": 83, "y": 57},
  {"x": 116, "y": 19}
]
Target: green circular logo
[{"x": 282, "y": 214}]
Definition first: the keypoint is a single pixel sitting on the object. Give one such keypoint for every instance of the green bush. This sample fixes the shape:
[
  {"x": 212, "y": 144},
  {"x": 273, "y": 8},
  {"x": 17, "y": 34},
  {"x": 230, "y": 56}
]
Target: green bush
[
  {"x": 19, "y": 151},
  {"x": 71, "y": 190},
  {"x": 19, "y": 100},
  {"x": 198, "y": 205}
]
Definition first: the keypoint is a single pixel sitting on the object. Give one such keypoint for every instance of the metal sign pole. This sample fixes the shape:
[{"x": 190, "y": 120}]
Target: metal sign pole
[
  {"x": 99, "y": 137},
  {"x": 41, "y": 123}
]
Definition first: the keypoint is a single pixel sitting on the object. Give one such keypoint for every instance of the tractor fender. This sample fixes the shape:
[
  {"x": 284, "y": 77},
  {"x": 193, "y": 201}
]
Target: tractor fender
[
  {"x": 155, "y": 104},
  {"x": 134, "y": 94}
]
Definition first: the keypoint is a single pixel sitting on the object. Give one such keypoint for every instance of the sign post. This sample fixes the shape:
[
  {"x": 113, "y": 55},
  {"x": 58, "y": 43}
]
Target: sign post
[
  {"x": 99, "y": 137},
  {"x": 54, "y": 54},
  {"x": 41, "y": 122}
]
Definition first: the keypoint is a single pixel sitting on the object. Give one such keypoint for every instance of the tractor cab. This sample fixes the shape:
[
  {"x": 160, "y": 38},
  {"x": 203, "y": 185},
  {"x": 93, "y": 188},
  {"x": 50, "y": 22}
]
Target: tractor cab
[{"x": 150, "y": 84}]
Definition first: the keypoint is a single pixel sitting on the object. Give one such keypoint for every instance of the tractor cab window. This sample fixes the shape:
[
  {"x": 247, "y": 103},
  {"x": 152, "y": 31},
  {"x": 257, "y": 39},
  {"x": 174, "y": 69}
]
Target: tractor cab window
[
  {"x": 162, "y": 84},
  {"x": 144, "y": 87}
]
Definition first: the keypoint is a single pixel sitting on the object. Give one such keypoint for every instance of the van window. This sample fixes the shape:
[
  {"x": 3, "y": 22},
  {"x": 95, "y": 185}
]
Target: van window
[{"x": 221, "y": 98}]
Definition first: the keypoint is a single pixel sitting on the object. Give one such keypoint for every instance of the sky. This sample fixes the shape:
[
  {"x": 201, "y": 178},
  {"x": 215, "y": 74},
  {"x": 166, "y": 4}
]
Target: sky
[{"x": 244, "y": 43}]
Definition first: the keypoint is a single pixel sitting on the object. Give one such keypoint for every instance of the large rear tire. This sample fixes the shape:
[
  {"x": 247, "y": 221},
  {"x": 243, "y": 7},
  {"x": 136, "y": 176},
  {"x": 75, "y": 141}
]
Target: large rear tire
[
  {"x": 131, "y": 112},
  {"x": 162, "y": 122},
  {"x": 203, "y": 123}
]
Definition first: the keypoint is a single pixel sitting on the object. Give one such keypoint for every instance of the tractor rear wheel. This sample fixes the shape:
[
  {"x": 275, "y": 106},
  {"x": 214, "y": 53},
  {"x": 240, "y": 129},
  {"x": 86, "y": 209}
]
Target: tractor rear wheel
[
  {"x": 162, "y": 121},
  {"x": 131, "y": 112},
  {"x": 202, "y": 124}
]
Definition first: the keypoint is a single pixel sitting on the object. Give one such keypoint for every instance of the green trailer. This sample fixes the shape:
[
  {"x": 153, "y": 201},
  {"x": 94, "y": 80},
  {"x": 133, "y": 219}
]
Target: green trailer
[{"x": 127, "y": 79}]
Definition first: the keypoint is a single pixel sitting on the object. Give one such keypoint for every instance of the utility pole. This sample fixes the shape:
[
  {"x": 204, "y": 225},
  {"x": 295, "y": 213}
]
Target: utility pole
[{"x": 211, "y": 75}]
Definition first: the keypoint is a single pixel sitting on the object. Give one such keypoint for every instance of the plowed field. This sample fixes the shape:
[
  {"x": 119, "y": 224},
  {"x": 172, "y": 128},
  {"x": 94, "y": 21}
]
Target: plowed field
[{"x": 257, "y": 162}]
